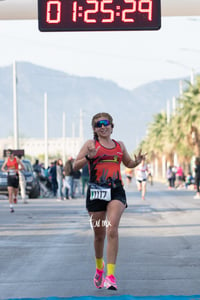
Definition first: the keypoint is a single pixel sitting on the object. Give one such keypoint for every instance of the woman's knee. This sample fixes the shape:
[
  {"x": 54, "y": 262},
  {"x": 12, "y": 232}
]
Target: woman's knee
[
  {"x": 112, "y": 232},
  {"x": 99, "y": 238}
]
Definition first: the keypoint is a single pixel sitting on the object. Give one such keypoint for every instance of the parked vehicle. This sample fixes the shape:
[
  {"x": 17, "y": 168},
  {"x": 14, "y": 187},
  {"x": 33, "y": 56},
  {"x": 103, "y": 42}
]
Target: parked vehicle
[{"x": 32, "y": 182}]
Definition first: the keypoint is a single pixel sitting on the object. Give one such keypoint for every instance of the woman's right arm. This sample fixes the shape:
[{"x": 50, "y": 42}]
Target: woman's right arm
[
  {"x": 81, "y": 160},
  {"x": 3, "y": 167}
]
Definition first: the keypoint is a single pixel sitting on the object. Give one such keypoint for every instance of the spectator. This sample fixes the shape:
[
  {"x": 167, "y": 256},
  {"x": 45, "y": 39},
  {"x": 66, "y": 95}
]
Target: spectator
[
  {"x": 37, "y": 168},
  {"x": 85, "y": 178},
  {"x": 179, "y": 177},
  {"x": 59, "y": 177},
  {"x": 197, "y": 177},
  {"x": 22, "y": 183},
  {"x": 76, "y": 183},
  {"x": 68, "y": 173},
  {"x": 170, "y": 177},
  {"x": 150, "y": 174},
  {"x": 189, "y": 180},
  {"x": 52, "y": 173}
]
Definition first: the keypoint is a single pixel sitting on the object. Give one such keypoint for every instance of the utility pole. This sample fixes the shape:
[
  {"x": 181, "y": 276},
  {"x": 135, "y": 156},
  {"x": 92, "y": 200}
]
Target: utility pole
[
  {"x": 192, "y": 77},
  {"x": 45, "y": 131},
  {"x": 15, "y": 108},
  {"x": 64, "y": 136},
  {"x": 81, "y": 135},
  {"x": 174, "y": 105},
  {"x": 168, "y": 111}
]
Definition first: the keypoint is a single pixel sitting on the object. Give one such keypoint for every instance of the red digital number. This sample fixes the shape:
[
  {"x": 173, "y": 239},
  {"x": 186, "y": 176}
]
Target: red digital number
[
  {"x": 146, "y": 10},
  {"x": 107, "y": 11},
  {"x": 49, "y": 12},
  {"x": 74, "y": 13},
  {"x": 128, "y": 11},
  {"x": 91, "y": 11}
]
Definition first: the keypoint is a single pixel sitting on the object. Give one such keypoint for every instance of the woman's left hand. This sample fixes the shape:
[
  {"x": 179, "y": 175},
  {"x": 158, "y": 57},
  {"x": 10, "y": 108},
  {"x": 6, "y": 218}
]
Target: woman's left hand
[{"x": 140, "y": 157}]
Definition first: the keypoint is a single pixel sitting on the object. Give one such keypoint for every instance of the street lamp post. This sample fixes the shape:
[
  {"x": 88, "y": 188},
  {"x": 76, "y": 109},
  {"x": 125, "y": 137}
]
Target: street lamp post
[
  {"x": 15, "y": 108},
  {"x": 45, "y": 131},
  {"x": 64, "y": 135}
]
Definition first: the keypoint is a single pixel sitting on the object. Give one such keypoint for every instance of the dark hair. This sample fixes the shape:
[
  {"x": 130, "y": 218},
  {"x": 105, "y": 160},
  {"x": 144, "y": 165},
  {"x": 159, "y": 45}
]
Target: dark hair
[{"x": 100, "y": 115}]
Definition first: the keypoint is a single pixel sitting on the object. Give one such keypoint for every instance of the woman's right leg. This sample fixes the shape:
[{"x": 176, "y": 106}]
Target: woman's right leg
[
  {"x": 139, "y": 185},
  {"x": 143, "y": 189},
  {"x": 99, "y": 228},
  {"x": 10, "y": 198},
  {"x": 10, "y": 195}
]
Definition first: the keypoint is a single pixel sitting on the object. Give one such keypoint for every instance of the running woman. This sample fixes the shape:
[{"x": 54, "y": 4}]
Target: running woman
[
  {"x": 11, "y": 165},
  {"x": 106, "y": 198},
  {"x": 197, "y": 177},
  {"x": 141, "y": 177}
]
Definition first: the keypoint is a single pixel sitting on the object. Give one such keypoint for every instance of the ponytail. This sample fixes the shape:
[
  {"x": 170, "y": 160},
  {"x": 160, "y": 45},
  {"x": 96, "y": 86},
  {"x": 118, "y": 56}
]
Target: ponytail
[{"x": 96, "y": 138}]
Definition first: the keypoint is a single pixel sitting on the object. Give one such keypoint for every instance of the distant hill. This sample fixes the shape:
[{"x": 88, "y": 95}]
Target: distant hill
[{"x": 131, "y": 110}]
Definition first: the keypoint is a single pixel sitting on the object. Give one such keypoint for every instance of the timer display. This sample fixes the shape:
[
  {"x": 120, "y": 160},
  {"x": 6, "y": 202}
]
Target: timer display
[{"x": 98, "y": 15}]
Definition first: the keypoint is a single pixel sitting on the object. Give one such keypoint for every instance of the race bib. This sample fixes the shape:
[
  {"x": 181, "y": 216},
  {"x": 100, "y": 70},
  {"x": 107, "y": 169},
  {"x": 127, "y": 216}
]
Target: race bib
[
  {"x": 12, "y": 172},
  {"x": 99, "y": 192}
]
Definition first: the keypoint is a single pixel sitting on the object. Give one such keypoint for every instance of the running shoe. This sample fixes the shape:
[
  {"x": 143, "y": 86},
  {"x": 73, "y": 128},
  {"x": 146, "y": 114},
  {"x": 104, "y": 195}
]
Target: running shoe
[
  {"x": 99, "y": 279},
  {"x": 15, "y": 200},
  {"x": 12, "y": 210},
  {"x": 110, "y": 283}
]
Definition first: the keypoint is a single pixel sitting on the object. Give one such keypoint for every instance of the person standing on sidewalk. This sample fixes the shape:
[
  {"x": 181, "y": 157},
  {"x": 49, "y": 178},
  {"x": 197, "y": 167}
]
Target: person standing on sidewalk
[
  {"x": 197, "y": 177},
  {"x": 11, "y": 165},
  {"x": 85, "y": 178},
  {"x": 106, "y": 198},
  {"x": 53, "y": 176},
  {"x": 68, "y": 173},
  {"x": 22, "y": 182},
  {"x": 59, "y": 174}
]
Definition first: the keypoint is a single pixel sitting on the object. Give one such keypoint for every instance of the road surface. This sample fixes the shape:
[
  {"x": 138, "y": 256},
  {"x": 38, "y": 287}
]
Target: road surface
[{"x": 46, "y": 247}]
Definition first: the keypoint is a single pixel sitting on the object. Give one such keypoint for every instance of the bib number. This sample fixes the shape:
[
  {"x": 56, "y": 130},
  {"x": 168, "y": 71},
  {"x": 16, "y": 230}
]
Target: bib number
[
  {"x": 12, "y": 172},
  {"x": 99, "y": 192}
]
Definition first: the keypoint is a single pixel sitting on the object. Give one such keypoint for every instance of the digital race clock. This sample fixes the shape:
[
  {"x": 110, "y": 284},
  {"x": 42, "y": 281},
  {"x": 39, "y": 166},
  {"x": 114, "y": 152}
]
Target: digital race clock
[{"x": 98, "y": 15}]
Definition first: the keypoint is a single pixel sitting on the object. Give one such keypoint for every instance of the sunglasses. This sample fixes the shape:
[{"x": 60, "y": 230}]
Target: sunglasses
[{"x": 102, "y": 122}]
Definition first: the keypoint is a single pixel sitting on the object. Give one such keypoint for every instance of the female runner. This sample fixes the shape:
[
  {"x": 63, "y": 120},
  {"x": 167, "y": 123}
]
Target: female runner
[
  {"x": 106, "y": 198},
  {"x": 11, "y": 165}
]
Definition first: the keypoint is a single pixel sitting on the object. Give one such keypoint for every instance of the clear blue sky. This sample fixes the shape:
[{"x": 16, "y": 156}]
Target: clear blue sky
[{"x": 127, "y": 58}]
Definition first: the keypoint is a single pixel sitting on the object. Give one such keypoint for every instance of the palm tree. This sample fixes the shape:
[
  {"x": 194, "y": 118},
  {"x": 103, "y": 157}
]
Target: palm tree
[
  {"x": 189, "y": 117},
  {"x": 181, "y": 134}
]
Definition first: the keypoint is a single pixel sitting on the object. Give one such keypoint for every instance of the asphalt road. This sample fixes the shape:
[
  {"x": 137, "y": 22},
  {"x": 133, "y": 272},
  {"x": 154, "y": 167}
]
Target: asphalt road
[{"x": 46, "y": 247}]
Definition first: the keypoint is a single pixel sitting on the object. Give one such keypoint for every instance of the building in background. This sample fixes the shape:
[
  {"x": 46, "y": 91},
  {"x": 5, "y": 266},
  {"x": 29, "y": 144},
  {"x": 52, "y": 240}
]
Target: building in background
[{"x": 36, "y": 146}]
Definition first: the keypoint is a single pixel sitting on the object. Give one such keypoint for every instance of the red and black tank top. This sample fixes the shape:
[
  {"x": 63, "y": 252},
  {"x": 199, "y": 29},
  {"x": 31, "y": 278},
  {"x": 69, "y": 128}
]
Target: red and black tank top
[
  {"x": 12, "y": 164},
  {"x": 105, "y": 166}
]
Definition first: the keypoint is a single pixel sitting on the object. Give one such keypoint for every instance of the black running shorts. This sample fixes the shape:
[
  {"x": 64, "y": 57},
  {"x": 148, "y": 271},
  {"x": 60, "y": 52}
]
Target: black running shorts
[
  {"x": 117, "y": 193},
  {"x": 13, "y": 181}
]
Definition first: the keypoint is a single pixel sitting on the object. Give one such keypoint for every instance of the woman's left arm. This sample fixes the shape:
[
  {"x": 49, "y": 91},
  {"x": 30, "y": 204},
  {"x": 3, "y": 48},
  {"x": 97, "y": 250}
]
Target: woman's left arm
[
  {"x": 127, "y": 160},
  {"x": 4, "y": 165}
]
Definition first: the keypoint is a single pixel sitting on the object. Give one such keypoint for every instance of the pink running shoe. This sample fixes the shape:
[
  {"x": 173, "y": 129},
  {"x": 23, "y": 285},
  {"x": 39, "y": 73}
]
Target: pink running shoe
[
  {"x": 99, "y": 279},
  {"x": 110, "y": 283}
]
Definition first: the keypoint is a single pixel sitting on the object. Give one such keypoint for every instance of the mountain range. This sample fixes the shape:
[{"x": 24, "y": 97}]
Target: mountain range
[{"x": 132, "y": 110}]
